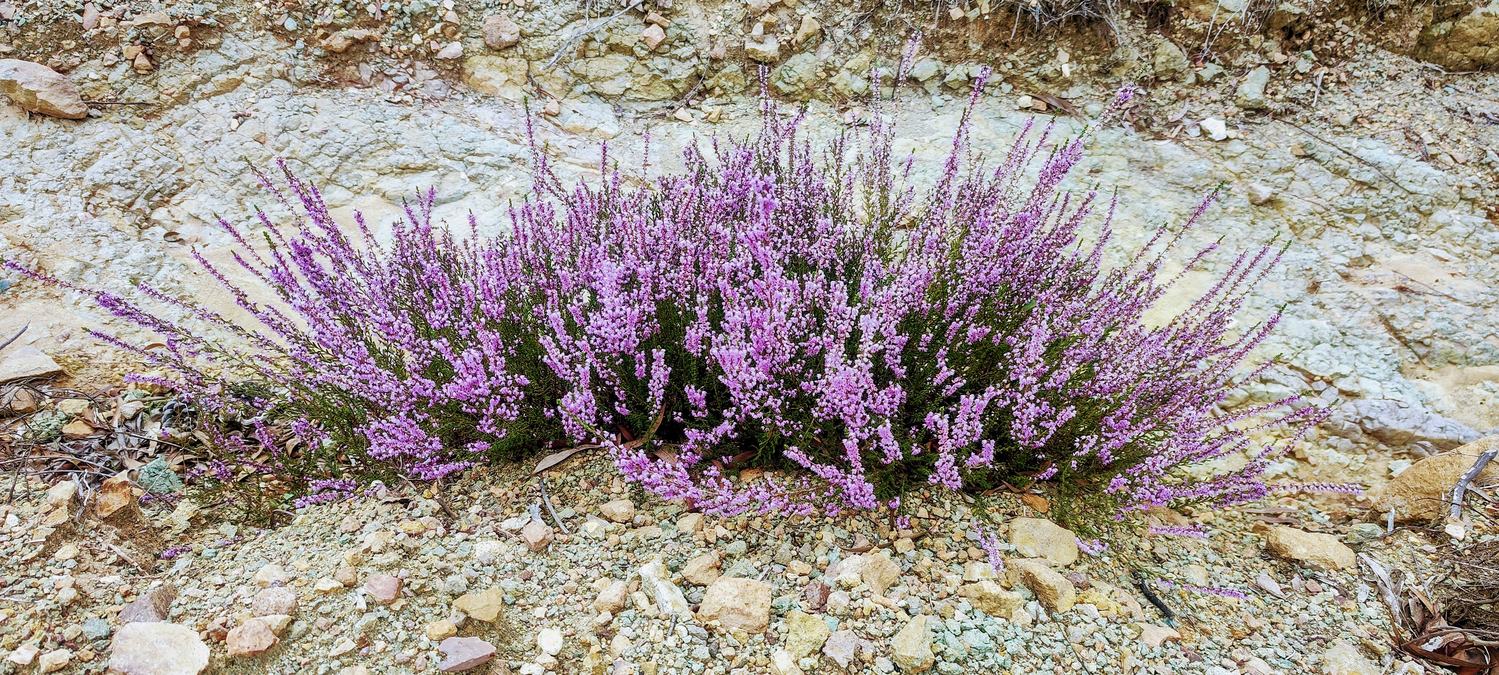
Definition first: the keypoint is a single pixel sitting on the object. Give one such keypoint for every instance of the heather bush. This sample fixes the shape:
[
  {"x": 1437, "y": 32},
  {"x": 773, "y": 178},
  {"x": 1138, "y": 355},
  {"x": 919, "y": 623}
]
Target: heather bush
[{"x": 805, "y": 308}]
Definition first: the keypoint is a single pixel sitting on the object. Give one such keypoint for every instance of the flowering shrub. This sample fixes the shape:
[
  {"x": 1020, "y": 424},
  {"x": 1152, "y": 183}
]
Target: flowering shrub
[
  {"x": 807, "y": 309},
  {"x": 370, "y": 362}
]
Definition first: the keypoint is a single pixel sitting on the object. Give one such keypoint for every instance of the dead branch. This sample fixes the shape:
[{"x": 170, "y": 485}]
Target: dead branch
[{"x": 1460, "y": 491}]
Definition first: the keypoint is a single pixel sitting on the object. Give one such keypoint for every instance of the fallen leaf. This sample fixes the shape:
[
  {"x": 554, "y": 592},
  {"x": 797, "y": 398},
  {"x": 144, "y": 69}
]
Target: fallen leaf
[
  {"x": 1036, "y": 502},
  {"x": 561, "y": 456}
]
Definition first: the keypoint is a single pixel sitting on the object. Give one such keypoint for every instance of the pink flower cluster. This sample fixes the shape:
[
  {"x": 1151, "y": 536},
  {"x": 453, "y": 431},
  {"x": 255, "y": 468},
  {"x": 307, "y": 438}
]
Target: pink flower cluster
[{"x": 810, "y": 309}]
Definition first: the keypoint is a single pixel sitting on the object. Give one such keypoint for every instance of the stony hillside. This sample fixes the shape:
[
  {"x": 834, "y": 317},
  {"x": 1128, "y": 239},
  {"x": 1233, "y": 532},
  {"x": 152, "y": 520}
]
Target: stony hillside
[{"x": 1366, "y": 138}]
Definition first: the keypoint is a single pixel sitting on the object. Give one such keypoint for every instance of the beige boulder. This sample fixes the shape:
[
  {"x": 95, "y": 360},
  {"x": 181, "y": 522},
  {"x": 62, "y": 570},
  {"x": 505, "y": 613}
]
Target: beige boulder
[
  {"x": 703, "y": 569},
  {"x": 618, "y": 511},
  {"x": 1041, "y": 538},
  {"x": 911, "y": 648},
  {"x": 992, "y": 599},
  {"x": 879, "y": 572},
  {"x": 737, "y": 604},
  {"x": 1318, "y": 550},
  {"x": 1422, "y": 491},
  {"x": 1342, "y": 658},
  {"x": 485, "y": 605},
  {"x": 41, "y": 90},
  {"x": 805, "y": 633},
  {"x": 500, "y": 32},
  {"x": 251, "y": 638},
  {"x": 1055, "y": 592}
]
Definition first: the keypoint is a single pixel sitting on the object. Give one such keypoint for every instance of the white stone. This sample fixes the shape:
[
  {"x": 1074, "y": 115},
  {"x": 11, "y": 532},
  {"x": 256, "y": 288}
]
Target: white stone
[
  {"x": 666, "y": 595},
  {"x": 549, "y": 640},
  {"x": 157, "y": 649},
  {"x": 1217, "y": 129}
]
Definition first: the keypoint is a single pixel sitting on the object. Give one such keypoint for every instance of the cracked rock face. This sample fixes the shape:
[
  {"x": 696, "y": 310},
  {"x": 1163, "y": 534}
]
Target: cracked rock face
[{"x": 1468, "y": 42}]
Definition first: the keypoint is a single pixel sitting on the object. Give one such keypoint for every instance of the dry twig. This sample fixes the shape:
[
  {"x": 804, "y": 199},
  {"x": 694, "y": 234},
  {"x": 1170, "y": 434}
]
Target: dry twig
[
  {"x": 573, "y": 41},
  {"x": 1459, "y": 492}
]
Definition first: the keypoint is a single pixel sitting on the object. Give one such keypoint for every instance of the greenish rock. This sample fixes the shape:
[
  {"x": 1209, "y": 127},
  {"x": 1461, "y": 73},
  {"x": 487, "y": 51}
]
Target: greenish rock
[
  {"x": 796, "y": 76},
  {"x": 46, "y": 426},
  {"x": 730, "y": 79},
  {"x": 96, "y": 629},
  {"x": 743, "y": 568},
  {"x": 1363, "y": 533},
  {"x": 978, "y": 641},
  {"x": 926, "y": 69},
  {"x": 1250, "y": 94},
  {"x": 959, "y": 76},
  {"x": 911, "y": 648},
  {"x": 1209, "y": 71},
  {"x": 1169, "y": 60},
  {"x": 158, "y": 479},
  {"x": 805, "y": 634},
  {"x": 849, "y": 84}
]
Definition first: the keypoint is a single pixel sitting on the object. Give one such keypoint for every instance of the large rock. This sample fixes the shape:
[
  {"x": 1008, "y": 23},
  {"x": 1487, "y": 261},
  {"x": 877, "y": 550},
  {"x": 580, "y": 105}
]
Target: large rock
[
  {"x": 805, "y": 634},
  {"x": 537, "y": 535},
  {"x": 39, "y": 89},
  {"x": 737, "y": 604},
  {"x": 618, "y": 511},
  {"x": 911, "y": 648},
  {"x": 798, "y": 76},
  {"x": 783, "y": 663},
  {"x": 1169, "y": 60},
  {"x": 664, "y": 593},
  {"x": 1468, "y": 42},
  {"x": 157, "y": 649},
  {"x": 251, "y": 638},
  {"x": 989, "y": 597},
  {"x": 703, "y": 569},
  {"x": 1041, "y": 538},
  {"x": 1251, "y": 92},
  {"x": 114, "y": 496},
  {"x": 1054, "y": 591},
  {"x": 54, "y": 660},
  {"x": 611, "y": 597},
  {"x": 19, "y": 362},
  {"x": 1319, "y": 550},
  {"x": 274, "y": 600},
  {"x": 383, "y": 588},
  {"x": 1397, "y": 424},
  {"x": 1154, "y": 636},
  {"x": 271, "y": 574},
  {"x": 841, "y": 647},
  {"x": 341, "y": 41},
  {"x": 1422, "y": 491},
  {"x": 157, "y": 478},
  {"x": 496, "y": 75},
  {"x": 500, "y": 32},
  {"x": 485, "y": 605},
  {"x": 765, "y": 50},
  {"x": 876, "y": 571},
  {"x": 1342, "y": 658},
  {"x": 464, "y": 653},
  {"x": 879, "y": 572},
  {"x": 152, "y": 606}
]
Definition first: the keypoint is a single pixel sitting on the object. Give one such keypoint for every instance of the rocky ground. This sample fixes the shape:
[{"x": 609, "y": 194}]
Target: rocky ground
[
  {"x": 403, "y": 582},
  {"x": 1356, "y": 134}
]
